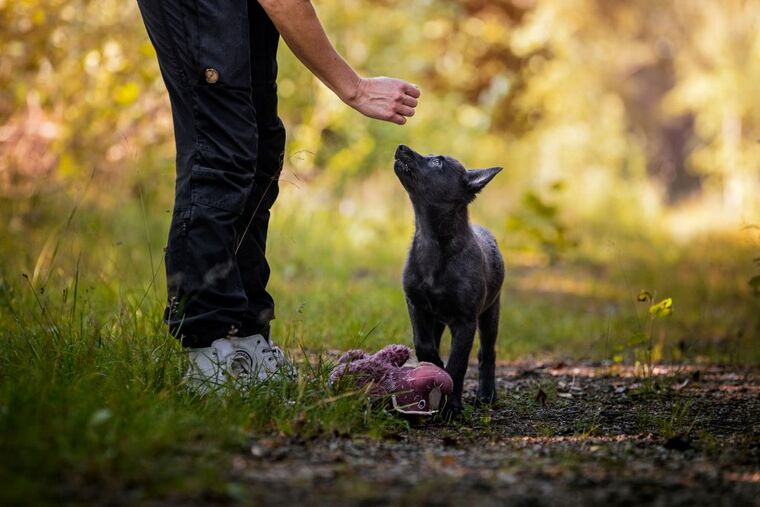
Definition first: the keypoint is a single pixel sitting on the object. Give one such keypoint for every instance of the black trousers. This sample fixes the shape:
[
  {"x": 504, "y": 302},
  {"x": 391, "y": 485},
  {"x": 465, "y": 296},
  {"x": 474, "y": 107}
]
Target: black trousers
[{"x": 218, "y": 61}]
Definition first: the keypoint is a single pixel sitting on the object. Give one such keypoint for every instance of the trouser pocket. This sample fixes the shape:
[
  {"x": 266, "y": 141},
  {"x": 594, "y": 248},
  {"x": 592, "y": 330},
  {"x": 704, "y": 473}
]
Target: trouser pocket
[{"x": 217, "y": 188}]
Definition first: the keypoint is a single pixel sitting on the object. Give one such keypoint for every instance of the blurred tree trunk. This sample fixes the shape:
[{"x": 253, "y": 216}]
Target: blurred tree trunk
[{"x": 669, "y": 139}]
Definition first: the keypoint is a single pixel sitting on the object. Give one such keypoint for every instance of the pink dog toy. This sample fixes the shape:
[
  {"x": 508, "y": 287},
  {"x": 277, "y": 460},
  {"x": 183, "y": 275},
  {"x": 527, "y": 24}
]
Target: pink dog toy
[{"x": 412, "y": 389}]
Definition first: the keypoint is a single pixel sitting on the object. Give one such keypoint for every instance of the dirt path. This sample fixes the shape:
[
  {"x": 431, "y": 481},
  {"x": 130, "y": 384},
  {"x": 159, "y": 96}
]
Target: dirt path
[{"x": 560, "y": 434}]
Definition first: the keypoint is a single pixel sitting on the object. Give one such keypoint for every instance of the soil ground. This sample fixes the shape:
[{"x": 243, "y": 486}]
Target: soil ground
[{"x": 560, "y": 434}]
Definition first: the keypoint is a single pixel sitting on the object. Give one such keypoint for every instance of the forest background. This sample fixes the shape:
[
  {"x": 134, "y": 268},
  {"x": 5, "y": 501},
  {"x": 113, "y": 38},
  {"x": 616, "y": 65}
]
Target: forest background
[{"x": 629, "y": 133}]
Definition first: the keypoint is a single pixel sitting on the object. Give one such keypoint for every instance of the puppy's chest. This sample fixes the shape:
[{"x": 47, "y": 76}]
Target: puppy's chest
[{"x": 431, "y": 289}]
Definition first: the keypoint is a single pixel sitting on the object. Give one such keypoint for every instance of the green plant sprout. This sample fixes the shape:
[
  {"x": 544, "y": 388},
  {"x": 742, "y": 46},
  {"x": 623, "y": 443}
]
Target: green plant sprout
[{"x": 660, "y": 309}]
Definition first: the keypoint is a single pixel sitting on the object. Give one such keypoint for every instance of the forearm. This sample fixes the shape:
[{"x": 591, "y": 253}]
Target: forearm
[
  {"x": 382, "y": 98},
  {"x": 299, "y": 26}
]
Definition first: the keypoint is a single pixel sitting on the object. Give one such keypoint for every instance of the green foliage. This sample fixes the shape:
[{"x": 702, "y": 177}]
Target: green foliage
[
  {"x": 91, "y": 399},
  {"x": 540, "y": 221},
  {"x": 580, "y": 91},
  {"x": 656, "y": 310},
  {"x": 677, "y": 421},
  {"x": 79, "y": 82},
  {"x": 662, "y": 308}
]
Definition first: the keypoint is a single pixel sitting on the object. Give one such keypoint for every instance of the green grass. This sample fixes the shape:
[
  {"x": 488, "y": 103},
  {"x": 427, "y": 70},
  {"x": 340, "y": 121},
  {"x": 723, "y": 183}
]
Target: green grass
[
  {"x": 91, "y": 399},
  {"x": 88, "y": 409},
  {"x": 678, "y": 419}
]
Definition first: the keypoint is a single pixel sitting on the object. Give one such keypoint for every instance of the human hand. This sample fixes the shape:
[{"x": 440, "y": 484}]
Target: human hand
[{"x": 384, "y": 98}]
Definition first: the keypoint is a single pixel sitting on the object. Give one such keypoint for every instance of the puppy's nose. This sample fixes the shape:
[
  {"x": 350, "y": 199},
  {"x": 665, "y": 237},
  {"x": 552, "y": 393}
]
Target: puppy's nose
[{"x": 402, "y": 148}]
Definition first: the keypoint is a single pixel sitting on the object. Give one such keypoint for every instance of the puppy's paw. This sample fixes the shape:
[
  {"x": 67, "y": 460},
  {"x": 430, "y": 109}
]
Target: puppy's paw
[
  {"x": 486, "y": 395},
  {"x": 452, "y": 409}
]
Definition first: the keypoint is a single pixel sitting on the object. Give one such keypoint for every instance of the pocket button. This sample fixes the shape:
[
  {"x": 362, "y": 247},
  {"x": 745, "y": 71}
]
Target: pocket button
[{"x": 212, "y": 75}]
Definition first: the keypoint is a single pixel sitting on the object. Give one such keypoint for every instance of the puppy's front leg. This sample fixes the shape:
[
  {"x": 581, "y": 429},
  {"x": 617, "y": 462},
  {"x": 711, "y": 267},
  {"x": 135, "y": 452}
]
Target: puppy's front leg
[
  {"x": 462, "y": 336},
  {"x": 423, "y": 327}
]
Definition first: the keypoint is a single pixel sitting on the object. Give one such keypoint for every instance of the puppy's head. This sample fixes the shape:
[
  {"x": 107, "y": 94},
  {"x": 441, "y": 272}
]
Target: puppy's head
[{"x": 437, "y": 179}]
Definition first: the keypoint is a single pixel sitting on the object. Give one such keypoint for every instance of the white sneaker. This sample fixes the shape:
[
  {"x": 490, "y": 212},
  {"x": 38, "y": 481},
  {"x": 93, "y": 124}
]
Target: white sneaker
[
  {"x": 208, "y": 366},
  {"x": 257, "y": 359},
  {"x": 241, "y": 360}
]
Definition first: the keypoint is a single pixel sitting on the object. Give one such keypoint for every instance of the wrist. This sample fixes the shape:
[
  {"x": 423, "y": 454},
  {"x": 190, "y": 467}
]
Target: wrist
[{"x": 351, "y": 91}]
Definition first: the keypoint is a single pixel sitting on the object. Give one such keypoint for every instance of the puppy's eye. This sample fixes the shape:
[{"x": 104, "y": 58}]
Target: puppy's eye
[{"x": 437, "y": 162}]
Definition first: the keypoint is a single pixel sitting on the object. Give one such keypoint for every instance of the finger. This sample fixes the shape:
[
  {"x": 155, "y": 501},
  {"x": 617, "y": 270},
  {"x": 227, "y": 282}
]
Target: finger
[
  {"x": 409, "y": 101},
  {"x": 405, "y": 110},
  {"x": 397, "y": 119},
  {"x": 411, "y": 90}
]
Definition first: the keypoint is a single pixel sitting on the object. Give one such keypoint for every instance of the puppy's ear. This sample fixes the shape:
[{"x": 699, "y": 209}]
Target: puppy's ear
[{"x": 476, "y": 179}]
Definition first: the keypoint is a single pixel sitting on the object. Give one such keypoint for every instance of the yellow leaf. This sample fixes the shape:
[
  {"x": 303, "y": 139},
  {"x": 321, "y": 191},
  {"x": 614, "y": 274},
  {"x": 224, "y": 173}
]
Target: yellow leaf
[{"x": 662, "y": 309}]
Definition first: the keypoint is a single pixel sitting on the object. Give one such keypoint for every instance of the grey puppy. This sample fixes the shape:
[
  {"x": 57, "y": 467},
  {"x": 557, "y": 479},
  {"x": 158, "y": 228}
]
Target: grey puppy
[{"x": 454, "y": 271}]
